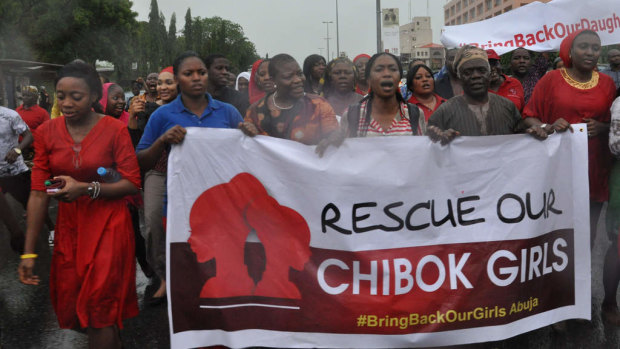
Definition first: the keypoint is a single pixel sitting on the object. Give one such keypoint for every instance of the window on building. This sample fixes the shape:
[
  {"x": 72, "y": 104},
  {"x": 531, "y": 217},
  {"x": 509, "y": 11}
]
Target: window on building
[
  {"x": 452, "y": 11},
  {"x": 446, "y": 14},
  {"x": 458, "y": 6},
  {"x": 452, "y": 22},
  {"x": 498, "y": 3},
  {"x": 472, "y": 14},
  {"x": 488, "y": 5},
  {"x": 465, "y": 17},
  {"x": 508, "y": 9},
  {"x": 479, "y": 10},
  {"x": 458, "y": 20}
]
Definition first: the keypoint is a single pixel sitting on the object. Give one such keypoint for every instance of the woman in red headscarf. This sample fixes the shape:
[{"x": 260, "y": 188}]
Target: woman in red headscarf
[
  {"x": 579, "y": 94},
  {"x": 260, "y": 81},
  {"x": 362, "y": 85},
  {"x": 113, "y": 97}
]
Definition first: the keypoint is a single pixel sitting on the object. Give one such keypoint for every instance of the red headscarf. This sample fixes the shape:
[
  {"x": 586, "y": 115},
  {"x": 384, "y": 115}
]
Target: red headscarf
[
  {"x": 567, "y": 44},
  {"x": 358, "y": 90},
  {"x": 104, "y": 102},
  {"x": 362, "y": 55},
  {"x": 167, "y": 70},
  {"x": 255, "y": 93}
]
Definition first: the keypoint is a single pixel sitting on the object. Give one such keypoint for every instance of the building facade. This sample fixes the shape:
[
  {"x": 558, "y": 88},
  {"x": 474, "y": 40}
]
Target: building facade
[
  {"x": 467, "y": 11},
  {"x": 416, "y": 43}
]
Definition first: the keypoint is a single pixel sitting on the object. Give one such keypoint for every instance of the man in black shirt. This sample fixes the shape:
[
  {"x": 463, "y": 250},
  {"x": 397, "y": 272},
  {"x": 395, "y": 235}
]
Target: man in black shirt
[{"x": 218, "y": 68}]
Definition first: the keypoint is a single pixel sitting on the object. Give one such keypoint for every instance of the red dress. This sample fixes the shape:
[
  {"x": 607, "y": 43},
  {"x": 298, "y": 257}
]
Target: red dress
[
  {"x": 93, "y": 276},
  {"x": 556, "y": 96}
]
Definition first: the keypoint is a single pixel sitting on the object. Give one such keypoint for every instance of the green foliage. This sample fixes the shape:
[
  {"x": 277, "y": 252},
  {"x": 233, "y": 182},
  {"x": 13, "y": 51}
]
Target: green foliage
[
  {"x": 217, "y": 35},
  {"x": 59, "y": 31},
  {"x": 188, "y": 33}
]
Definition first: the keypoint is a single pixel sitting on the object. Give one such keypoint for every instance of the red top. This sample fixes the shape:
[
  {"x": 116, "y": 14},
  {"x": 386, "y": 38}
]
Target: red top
[
  {"x": 556, "y": 96},
  {"x": 359, "y": 91},
  {"x": 427, "y": 111},
  {"x": 513, "y": 90},
  {"x": 33, "y": 116},
  {"x": 93, "y": 280}
]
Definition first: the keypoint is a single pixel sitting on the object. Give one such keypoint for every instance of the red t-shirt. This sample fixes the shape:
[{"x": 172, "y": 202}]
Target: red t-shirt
[
  {"x": 33, "y": 116},
  {"x": 513, "y": 90}
]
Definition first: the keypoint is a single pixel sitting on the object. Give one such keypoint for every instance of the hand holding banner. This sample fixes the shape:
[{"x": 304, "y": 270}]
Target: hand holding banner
[{"x": 390, "y": 242}]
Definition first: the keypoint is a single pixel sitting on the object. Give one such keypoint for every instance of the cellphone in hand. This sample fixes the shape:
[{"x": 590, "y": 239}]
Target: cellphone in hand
[{"x": 54, "y": 185}]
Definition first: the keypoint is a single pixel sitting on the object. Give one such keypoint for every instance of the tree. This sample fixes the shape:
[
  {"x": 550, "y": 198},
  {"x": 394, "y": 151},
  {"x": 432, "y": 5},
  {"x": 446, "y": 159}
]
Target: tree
[
  {"x": 171, "y": 41},
  {"x": 187, "y": 31},
  {"x": 56, "y": 32},
  {"x": 217, "y": 35},
  {"x": 155, "y": 39}
]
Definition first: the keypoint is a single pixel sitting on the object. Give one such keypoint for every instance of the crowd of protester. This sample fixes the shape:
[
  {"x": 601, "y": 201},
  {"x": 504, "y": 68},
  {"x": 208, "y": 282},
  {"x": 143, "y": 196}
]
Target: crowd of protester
[{"x": 97, "y": 236}]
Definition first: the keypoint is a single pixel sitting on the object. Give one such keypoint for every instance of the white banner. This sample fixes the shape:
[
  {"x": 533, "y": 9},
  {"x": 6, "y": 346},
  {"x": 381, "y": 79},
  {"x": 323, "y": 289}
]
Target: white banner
[
  {"x": 384, "y": 242},
  {"x": 539, "y": 26}
]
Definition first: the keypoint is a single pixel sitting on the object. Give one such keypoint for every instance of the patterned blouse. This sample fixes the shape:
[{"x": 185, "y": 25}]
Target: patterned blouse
[{"x": 308, "y": 121}]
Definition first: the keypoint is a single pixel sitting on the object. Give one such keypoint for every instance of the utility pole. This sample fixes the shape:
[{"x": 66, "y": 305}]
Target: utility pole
[
  {"x": 327, "y": 38},
  {"x": 378, "y": 26},
  {"x": 337, "y": 33}
]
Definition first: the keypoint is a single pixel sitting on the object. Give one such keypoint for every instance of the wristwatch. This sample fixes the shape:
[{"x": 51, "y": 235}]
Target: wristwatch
[{"x": 17, "y": 150}]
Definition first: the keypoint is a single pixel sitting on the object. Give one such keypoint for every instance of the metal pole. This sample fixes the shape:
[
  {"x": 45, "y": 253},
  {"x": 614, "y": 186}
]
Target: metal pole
[
  {"x": 337, "y": 33},
  {"x": 327, "y": 38},
  {"x": 378, "y": 26}
]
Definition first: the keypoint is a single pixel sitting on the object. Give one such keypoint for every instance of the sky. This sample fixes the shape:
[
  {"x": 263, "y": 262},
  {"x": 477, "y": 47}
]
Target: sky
[{"x": 295, "y": 26}]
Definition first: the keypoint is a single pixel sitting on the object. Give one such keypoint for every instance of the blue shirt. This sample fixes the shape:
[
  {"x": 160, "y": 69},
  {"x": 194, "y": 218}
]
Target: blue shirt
[{"x": 216, "y": 115}]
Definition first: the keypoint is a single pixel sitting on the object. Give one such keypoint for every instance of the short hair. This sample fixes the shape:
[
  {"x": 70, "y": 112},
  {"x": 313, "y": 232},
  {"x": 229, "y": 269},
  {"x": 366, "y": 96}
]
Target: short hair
[
  {"x": 181, "y": 58},
  {"x": 277, "y": 61},
  {"x": 210, "y": 59},
  {"x": 330, "y": 67},
  {"x": 374, "y": 57},
  {"x": 411, "y": 74},
  {"x": 86, "y": 72}
]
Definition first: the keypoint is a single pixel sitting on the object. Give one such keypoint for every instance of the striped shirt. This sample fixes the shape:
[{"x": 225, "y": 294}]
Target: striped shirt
[{"x": 401, "y": 126}]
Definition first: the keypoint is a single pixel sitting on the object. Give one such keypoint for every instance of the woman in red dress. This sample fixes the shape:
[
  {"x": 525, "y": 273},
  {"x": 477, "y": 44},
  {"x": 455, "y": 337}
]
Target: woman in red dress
[
  {"x": 579, "y": 94},
  {"x": 92, "y": 281}
]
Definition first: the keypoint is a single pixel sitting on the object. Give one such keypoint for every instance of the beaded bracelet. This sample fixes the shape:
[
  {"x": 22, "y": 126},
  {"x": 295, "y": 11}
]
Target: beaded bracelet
[{"x": 29, "y": 256}]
